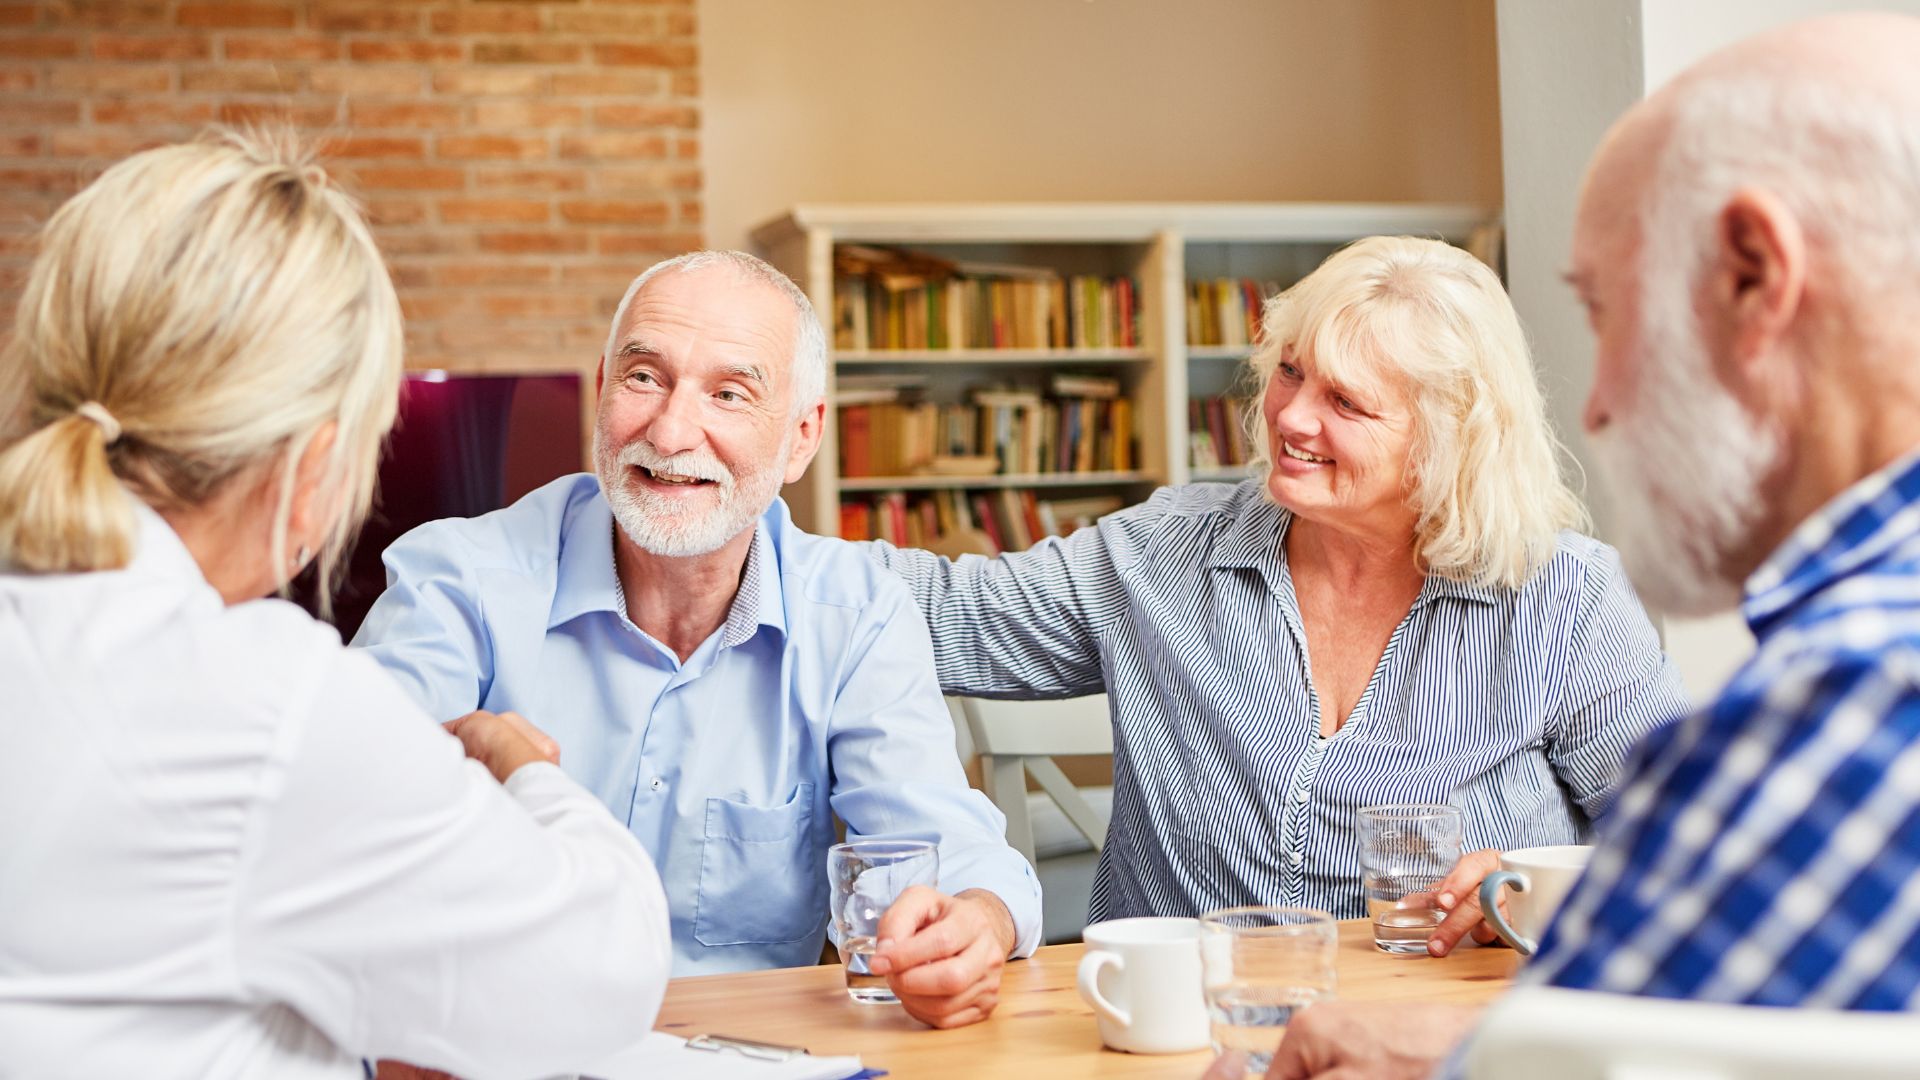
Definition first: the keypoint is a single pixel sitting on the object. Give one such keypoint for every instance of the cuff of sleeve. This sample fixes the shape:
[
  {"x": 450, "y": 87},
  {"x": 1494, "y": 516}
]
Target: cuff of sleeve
[
  {"x": 1017, "y": 887},
  {"x": 544, "y": 790}
]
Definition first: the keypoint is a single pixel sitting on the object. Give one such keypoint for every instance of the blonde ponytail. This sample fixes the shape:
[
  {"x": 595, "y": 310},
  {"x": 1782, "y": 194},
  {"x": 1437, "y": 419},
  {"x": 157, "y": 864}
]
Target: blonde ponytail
[
  {"x": 195, "y": 315},
  {"x": 61, "y": 507}
]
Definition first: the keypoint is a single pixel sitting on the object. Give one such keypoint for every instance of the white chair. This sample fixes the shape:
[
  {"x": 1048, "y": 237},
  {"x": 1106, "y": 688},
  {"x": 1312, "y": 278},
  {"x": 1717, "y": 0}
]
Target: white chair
[
  {"x": 1060, "y": 828},
  {"x": 1582, "y": 1035}
]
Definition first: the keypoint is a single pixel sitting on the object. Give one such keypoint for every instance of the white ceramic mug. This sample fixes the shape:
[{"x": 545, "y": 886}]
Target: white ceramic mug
[
  {"x": 1142, "y": 977},
  {"x": 1541, "y": 878}
]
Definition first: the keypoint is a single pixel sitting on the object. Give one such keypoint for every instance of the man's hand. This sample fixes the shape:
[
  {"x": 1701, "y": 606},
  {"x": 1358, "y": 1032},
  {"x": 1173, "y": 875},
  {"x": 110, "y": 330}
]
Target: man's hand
[
  {"x": 1459, "y": 894},
  {"x": 1380, "y": 1041},
  {"x": 503, "y": 742},
  {"x": 942, "y": 954}
]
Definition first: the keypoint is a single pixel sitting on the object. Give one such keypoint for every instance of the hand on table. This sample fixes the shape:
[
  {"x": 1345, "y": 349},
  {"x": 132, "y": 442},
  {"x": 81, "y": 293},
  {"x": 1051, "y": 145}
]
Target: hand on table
[
  {"x": 503, "y": 741},
  {"x": 1459, "y": 894},
  {"x": 1360, "y": 1041},
  {"x": 942, "y": 954}
]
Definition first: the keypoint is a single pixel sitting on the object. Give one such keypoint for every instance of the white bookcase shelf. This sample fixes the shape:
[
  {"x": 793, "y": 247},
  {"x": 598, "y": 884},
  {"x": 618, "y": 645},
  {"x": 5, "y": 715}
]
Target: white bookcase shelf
[
  {"x": 998, "y": 480},
  {"x": 992, "y": 356},
  {"x": 1160, "y": 245}
]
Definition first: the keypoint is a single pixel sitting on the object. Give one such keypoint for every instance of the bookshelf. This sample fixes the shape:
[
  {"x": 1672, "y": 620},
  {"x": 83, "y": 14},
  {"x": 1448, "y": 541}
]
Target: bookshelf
[{"x": 1158, "y": 247}]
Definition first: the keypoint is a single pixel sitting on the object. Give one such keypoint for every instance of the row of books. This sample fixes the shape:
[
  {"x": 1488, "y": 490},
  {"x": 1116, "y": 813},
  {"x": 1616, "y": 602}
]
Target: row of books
[
  {"x": 1081, "y": 423},
  {"x": 1041, "y": 311},
  {"x": 960, "y": 522},
  {"x": 1226, "y": 312},
  {"x": 1217, "y": 431}
]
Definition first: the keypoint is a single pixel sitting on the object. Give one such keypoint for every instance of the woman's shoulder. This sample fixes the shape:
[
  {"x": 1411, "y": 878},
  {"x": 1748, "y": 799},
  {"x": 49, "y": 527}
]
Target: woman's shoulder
[
  {"x": 1201, "y": 507},
  {"x": 1580, "y": 571}
]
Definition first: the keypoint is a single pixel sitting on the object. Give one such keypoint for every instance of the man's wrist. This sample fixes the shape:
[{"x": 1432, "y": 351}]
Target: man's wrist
[{"x": 998, "y": 914}]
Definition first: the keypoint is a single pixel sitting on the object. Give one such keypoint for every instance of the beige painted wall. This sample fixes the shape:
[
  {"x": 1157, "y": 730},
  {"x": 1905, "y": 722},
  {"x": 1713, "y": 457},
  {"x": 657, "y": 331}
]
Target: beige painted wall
[{"x": 920, "y": 100}]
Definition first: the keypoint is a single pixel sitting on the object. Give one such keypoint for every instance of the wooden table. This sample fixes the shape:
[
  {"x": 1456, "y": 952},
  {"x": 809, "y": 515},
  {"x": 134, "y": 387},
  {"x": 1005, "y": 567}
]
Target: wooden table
[{"x": 1041, "y": 1028}]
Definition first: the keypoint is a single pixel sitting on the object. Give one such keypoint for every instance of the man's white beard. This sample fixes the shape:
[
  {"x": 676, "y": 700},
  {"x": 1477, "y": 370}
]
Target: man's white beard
[
  {"x": 1684, "y": 464},
  {"x": 663, "y": 526}
]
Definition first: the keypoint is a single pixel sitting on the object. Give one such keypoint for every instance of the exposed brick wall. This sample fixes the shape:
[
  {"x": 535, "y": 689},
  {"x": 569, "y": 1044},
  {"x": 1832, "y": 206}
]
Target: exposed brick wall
[{"x": 521, "y": 159}]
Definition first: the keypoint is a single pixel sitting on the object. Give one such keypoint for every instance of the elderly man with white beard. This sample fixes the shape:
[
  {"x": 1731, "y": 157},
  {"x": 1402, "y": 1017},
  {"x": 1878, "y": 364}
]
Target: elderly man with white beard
[
  {"x": 724, "y": 682},
  {"x": 1748, "y": 249}
]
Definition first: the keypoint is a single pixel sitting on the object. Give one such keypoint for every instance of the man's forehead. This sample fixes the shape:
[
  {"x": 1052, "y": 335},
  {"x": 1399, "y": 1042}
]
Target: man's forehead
[
  {"x": 1607, "y": 217},
  {"x": 715, "y": 302}
]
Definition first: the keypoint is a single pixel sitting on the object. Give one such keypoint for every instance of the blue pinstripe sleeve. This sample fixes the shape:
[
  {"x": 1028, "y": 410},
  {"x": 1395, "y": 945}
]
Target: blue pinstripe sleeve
[
  {"x": 1023, "y": 625},
  {"x": 1619, "y": 686}
]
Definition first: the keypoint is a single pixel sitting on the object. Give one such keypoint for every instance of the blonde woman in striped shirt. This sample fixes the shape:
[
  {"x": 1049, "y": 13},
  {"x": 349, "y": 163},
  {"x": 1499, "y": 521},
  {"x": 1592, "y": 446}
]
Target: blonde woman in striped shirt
[{"x": 1398, "y": 610}]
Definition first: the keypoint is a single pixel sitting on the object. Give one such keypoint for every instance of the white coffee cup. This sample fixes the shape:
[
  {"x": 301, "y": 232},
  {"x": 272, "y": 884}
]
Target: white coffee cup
[
  {"x": 1540, "y": 878},
  {"x": 1142, "y": 977}
]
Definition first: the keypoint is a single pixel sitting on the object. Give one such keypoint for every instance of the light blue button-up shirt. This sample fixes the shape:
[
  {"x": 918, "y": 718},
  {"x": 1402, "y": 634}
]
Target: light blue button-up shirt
[{"x": 815, "y": 698}]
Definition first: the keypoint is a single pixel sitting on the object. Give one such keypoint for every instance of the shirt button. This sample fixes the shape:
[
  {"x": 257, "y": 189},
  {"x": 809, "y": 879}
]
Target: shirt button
[
  {"x": 1300, "y": 796},
  {"x": 657, "y": 784},
  {"x": 1294, "y": 858}
]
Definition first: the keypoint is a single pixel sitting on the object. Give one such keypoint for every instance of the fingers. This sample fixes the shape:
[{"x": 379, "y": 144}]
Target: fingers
[
  {"x": 976, "y": 1002},
  {"x": 1310, "y": 1046},
  {"x": 1459, "y": 896},
  {"x": 976, "y": 961},
  {"x": 1231, "y": 1065},
  {"x": 1464, "y": 880},
  {"x": 1461, "y": 921},
  {"x": 915, "y": 930},
  {"x": 540, "y": 739}
]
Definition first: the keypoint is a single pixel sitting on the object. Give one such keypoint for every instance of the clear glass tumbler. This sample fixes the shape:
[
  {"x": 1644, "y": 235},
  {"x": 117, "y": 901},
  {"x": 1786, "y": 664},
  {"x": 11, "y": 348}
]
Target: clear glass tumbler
[
  {"x": 1259, "y": 966},
  {"x": 1406, "y": 851},
  {"x": 867, "y": 877}
]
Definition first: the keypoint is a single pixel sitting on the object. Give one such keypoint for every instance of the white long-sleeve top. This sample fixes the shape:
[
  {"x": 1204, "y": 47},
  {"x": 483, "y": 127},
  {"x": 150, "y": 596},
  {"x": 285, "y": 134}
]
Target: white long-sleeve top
[{"x": 222, "y": 856}]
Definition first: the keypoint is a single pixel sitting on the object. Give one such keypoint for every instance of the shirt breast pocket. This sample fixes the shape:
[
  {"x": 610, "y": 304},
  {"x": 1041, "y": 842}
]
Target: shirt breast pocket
[{"x": 758, "y": 880}]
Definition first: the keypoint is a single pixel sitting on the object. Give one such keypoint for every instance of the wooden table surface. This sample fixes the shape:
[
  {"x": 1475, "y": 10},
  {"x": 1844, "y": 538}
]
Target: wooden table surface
[{"x": 1041, "y": 1028}]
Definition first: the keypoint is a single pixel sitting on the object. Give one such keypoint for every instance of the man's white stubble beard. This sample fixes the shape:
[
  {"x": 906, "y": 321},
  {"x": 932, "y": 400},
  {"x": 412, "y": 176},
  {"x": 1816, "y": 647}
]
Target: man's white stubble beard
[
  {"x": 656, "y": 524},
  {"x": 1684, "y": 464}
]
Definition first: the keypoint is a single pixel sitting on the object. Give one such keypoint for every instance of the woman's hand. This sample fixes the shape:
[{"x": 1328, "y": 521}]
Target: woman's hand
[
  {"x": 1459, "y": 895},
  {"x": 503, "y": 742}
]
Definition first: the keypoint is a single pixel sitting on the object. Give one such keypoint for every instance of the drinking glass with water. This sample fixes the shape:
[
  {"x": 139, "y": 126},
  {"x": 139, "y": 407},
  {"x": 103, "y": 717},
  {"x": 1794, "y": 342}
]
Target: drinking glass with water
[
  {"x": 867, "y": 877},
  {"x": 1260, "y": 965},
  {"x": 1406, "y": 851}
]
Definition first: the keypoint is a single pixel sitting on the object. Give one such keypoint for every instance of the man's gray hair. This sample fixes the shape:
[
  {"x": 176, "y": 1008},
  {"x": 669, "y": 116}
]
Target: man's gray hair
[
  {"x": 808, "y": 380},
  {"x": 1844, "y": 159}
]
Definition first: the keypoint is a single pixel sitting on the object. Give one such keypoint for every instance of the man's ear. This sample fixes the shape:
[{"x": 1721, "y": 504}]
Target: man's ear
[
  {"x": 1757, "y": 276},
  {"x": 599, "y": 379},
  {"x": 806, "y": 441}
]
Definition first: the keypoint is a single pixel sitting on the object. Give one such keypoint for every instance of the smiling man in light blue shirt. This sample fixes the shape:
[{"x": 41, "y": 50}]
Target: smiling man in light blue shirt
[{"x": 725, "y": 682}]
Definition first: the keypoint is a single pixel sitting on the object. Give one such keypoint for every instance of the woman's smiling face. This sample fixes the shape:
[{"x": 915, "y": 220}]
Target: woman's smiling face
[{"x": 1340, "y": 454}]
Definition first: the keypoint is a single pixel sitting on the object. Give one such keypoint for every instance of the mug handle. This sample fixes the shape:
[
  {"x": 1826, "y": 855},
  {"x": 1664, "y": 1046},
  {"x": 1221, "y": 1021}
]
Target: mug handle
[
  {"x": 1090, "y": 966},
  {"x": 1490, "y": 908}
]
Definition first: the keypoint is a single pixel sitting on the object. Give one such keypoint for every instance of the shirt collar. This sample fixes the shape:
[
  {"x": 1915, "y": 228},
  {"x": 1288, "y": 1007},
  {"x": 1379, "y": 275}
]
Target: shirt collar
[
  {"x": 159, "y": 551},
  {"x": 1256, "y": 537},
  {"x": 587, "y": 582},
  {"x": 1857, "y": 526}
]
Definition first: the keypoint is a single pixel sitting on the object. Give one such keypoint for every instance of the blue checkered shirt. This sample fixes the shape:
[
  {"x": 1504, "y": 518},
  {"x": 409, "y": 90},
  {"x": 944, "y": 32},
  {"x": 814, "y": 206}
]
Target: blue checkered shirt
[{"x": 1767, "y": 849}]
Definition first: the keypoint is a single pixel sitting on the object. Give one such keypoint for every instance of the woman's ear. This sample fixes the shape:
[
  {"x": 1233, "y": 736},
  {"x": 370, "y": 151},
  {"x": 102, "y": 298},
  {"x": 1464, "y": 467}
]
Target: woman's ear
[{"x": 311, "y": 513}]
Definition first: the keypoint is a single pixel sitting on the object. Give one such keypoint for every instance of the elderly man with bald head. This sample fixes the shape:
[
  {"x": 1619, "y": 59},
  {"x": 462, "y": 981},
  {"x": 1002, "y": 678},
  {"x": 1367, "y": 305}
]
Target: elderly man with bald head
[
  {"x": 1748, "y": 248},
  {"x": 727, "y": 684}
]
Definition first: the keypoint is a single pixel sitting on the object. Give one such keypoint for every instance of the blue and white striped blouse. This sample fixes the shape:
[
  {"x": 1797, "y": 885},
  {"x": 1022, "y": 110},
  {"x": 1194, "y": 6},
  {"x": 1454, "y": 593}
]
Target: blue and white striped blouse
[{"x": 1518, "y": 706}]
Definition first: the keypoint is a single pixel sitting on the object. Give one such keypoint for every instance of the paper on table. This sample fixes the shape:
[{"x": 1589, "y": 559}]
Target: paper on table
[{"x": 663, "y": 1055}]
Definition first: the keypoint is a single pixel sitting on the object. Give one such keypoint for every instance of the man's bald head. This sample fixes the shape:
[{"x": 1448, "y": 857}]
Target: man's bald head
[
  {"x": 1823, "y": 115},
  {"x": 1748, "y": 247}
]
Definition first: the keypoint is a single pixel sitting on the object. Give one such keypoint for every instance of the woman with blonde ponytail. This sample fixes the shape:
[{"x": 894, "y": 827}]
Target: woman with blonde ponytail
[{"x": 224, "y": 849}]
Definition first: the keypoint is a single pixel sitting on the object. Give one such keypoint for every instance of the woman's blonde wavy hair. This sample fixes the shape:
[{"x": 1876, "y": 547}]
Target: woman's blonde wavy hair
[
  {"x": 223, "y": 301},
  {"x": 1484, "y": 473}
]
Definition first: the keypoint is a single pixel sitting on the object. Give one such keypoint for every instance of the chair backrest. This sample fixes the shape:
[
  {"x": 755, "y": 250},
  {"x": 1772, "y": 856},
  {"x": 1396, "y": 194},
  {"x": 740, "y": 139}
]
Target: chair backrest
[
  {"x": 1582, "y": 1035},
  {"x": 1017, "y": 738}
]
